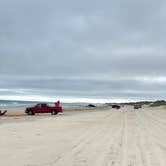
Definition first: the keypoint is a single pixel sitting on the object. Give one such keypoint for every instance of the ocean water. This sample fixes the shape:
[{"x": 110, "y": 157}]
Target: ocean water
[{"x": 9, "y": 103}]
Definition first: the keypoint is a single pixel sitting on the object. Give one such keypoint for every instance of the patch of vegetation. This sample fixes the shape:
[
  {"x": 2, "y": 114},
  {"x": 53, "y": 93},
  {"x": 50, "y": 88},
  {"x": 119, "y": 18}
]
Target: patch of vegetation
[
  {"x": 148, "y": 103},
  {"x": 158, "y": 103},
  {"x": 139, "y": 103}
]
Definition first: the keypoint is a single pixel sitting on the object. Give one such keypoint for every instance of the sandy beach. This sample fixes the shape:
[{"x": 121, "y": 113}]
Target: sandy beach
[
  {"x": 93, "y": 137},
  {"x": 20, "y": 111}
]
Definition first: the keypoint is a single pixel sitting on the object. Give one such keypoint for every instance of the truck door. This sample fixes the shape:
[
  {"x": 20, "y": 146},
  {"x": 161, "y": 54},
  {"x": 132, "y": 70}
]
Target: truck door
[
  {"x": 44, "y": 108},
  {"x": 38, "y": 108}
]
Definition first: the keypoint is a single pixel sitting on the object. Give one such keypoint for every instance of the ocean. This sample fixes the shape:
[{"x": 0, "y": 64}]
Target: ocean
[{"x": 9, "y": 103}]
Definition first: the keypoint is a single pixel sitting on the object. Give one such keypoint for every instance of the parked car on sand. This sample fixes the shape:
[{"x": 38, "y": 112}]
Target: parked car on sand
[
  {"x": 137, "y": 106},
  {"x": 44, "y": 108},
  {"x": 116, "y": 106}
]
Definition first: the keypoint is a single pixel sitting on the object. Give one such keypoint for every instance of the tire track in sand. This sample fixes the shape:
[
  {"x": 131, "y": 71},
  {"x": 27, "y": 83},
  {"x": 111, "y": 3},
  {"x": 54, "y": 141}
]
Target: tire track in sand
[{"x": 71, "y": 157}]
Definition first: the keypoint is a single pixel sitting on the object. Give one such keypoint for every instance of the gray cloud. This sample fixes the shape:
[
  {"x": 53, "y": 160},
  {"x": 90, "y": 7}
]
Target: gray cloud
[{"x": 73, "y": 47}]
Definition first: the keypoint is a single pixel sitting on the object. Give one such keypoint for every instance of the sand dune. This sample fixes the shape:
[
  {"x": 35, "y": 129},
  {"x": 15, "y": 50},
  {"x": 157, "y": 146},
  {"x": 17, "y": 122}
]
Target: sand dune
[{"x": 85, "y": 138}]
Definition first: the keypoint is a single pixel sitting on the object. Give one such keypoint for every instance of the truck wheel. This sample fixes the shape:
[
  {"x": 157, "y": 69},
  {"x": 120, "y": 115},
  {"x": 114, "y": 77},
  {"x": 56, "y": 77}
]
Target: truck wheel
[
  {"x": 54, "y": 112},
  {"x": 31, "y": 112}
]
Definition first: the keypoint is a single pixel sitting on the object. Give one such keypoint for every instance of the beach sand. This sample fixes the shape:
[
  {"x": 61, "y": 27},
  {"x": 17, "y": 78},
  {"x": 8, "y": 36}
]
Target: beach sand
[
  {"x": 102, "y": 137},
  {"x": 20, "y": 111}
]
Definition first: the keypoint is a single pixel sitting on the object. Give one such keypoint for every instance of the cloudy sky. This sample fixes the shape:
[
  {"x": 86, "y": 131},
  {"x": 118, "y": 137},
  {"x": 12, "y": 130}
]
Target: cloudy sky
[{"x": 68, "y": 49}]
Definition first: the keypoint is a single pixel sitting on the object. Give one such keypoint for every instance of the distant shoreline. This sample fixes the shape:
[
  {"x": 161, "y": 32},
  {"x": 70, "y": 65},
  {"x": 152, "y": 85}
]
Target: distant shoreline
[{"x": 18, "y": 104}]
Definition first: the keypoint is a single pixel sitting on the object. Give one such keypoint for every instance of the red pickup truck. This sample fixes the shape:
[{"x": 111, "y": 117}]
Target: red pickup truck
[{"x": 44, "y": 108}]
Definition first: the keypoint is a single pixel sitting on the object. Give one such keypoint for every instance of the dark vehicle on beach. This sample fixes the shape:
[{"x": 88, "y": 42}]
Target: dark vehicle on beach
[
  {"x": 91, "y": 105},
  {"x": 116, "y": 106},
  {"x": 44, "y": 108},
  {"x": 137, "y": 106}
]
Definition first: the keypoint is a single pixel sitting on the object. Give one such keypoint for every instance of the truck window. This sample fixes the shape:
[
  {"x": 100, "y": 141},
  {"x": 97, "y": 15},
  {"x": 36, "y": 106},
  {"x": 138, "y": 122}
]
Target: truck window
[
  {"x": 44, "y": 105},
  {"x": 38, "y": 105}
]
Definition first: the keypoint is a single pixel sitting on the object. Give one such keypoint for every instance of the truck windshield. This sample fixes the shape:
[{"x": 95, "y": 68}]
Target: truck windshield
[{"x": 38, "y": 105}]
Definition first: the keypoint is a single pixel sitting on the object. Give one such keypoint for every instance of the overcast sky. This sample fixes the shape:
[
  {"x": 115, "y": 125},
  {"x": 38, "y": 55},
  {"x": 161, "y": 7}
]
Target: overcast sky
[{"x": 109, "y": 49}]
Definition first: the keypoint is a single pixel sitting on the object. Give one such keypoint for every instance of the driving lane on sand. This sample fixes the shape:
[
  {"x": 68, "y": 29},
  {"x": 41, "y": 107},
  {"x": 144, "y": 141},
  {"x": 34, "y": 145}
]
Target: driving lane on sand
[{"x": 92, "y": 138}]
